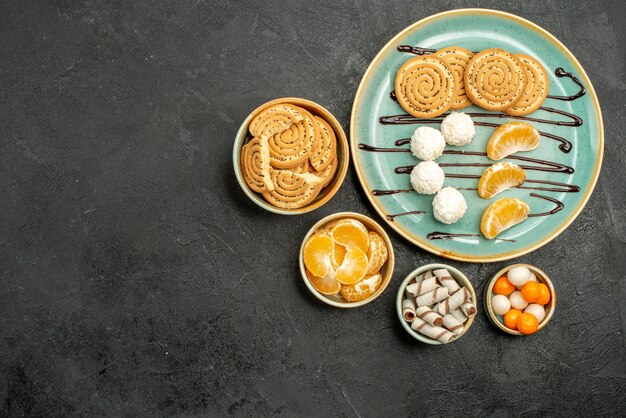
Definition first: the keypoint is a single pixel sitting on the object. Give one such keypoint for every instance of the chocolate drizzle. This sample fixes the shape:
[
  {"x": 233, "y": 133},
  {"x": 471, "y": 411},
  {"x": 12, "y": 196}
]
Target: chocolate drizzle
[
  {"x": 406, "y": 119},
  {"x": 565, "y": 145},
  {"x": 417, "y": 50},
  {"x": 559, "y": 205},
  {"x": 449, "y": 235},
  {"x": 560, "y": 72},
  {"x": 370, "y": 148},
  {"x": 547, "y": 166},
  {"x": 391, "y": 218},
  {"x": 377, "y": 192}
]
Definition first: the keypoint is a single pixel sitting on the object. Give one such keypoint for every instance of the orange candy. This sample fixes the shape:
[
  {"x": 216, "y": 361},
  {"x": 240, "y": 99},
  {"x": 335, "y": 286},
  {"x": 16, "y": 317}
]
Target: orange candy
[
  {"x": 511, "y": 318},
  {"x": 544, "y": 294},
  {"x": 503, "y": 286},
  {"x": 527, "y": 324},
  {"x": 531, "y": 291}
]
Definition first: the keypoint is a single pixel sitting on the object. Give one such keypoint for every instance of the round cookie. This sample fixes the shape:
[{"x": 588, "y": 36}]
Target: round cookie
[
  {"x": 424, "y": 86},
  {"x": 255, "y": 165},
  {"x": 457, "y": 58},
  {"x": 325, "y": 153},
  {"x": 292, "y": 190},
  {"x": 275, "y": 119},
  {"x": 536, "y": 90},
  {"x": 328, "y": 173},
  {"x": 494, "y": 79},
  {"x": 295, "y": 144}
]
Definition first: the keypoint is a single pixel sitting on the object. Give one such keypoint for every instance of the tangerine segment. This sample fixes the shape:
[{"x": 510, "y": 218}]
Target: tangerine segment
[
  {"x": 339, "y": 253},
  {"x": 377, "y": 253},
  {"x": 527, "y": 323},
  {"x": 503, "y": 286},
  {"x": 499, "y": 177},
  {"x": 351, "y": 234},
  {"x": 511, "y": 318},
  {"x": 511, "y": 138},
  {"x": 501, "y": 215},
  {"x": 544, "y": 294},
  {"x": 353, "y": 268},
  {"x": 363, "y": 289},
  {"x": 317, "y": 252},
  {"x": 327, "y": 285}
]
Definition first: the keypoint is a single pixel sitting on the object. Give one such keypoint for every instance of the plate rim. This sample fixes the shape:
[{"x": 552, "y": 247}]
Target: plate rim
[{"x": 590, "y": 89}]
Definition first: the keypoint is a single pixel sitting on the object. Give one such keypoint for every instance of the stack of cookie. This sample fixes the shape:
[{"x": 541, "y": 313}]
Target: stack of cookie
[
  {"x": 454, "y": 77},
  {"x": 291, "y": 157}
]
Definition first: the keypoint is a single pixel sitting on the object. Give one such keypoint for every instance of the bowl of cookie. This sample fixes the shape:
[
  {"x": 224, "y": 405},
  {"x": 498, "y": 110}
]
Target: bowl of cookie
[
  {"x": 346, "y": 260},
  {"x": 290, "y": 156}
]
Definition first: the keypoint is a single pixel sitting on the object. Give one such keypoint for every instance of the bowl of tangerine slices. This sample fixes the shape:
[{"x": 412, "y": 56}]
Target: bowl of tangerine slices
[
  {"x": 520, "y": 299},
  {"x": 346, "y": 260}
]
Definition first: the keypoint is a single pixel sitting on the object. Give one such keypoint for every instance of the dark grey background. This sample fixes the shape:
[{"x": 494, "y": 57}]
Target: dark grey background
[{"x": 137, "y": 279}]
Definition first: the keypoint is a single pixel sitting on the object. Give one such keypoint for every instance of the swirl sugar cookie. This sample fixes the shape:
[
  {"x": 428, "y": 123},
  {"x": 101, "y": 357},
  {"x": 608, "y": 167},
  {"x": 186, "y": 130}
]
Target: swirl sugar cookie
[
  {"x": 255, "y": 165},
  {"x": 536, "y": 89},
  {"x": 295, "y": 144},
  {"x": 494, "y": 79},
  {"x": 424, "y": 86},
  {"x": 293, "y": 190},
  {"x": 328, "y": 173},
  {"x": 457, "y": 58},
  {"x": 324, "y": 154},
  {"x": 275, "y": 119}
]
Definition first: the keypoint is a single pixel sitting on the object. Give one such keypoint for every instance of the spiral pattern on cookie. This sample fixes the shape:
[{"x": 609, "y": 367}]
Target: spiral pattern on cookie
[
  {"x": 324, "y": 154},
  {"x": 328, "y": 173},
  {"x": 537, "y": 86},
  {"x": 292, "y": 146},
  {"x": 275, "y": 119},
  {"x": 424, "y": 86},
  {"x": 255, "y": 165},
  {"x": 494, "y": 79},
  {"x": 292, "y": 190},
  {"x": 456, "y": 58}
]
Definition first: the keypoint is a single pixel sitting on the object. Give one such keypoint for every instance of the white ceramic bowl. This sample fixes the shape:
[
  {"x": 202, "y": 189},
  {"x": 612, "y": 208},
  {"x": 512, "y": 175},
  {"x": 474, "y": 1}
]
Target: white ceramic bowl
[
  {"x": 461, "y": 279},
  {"x": 497, "y": 320}
]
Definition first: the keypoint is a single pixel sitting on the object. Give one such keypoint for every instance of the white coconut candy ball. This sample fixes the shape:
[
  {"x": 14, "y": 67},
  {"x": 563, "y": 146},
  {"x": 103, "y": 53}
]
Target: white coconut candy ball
[
  {"x": 427, "y": 177},
  {"x": 500, "y": 304},
  {"x": 449, "y": 205},
  {"x": 533, "y": 278},
  {"x": 537, "y": 310},
  {"x": 517, "y": 300},
  {"x": 427, "y": 143},
  {"x": 518, "y": 276},
  {"x": 458, "y": 129}
]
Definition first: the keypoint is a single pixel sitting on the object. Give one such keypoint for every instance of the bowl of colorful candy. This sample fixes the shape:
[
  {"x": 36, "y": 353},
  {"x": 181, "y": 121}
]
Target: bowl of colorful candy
[{"x": 520, "y": 299}]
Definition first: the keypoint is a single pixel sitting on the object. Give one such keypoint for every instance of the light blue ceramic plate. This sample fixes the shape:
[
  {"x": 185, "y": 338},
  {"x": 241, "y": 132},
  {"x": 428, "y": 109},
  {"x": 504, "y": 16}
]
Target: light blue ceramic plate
[{"x": 578, "y": 169}]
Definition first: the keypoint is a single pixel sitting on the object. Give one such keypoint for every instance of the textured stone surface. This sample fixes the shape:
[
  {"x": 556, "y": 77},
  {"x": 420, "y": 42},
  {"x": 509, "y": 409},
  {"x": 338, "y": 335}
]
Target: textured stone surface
[{"x": 137, "y": 279}]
